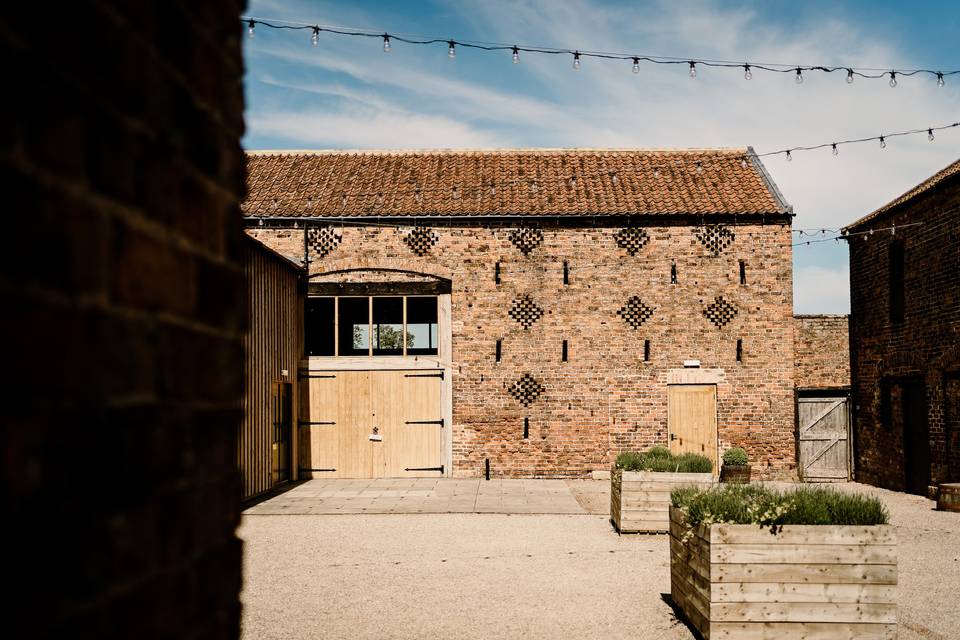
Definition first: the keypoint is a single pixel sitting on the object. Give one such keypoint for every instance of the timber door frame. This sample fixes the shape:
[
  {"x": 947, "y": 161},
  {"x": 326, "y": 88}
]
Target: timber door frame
[
  {"x": 716, "y": 419},
  {"x": 840, "y": 396}
]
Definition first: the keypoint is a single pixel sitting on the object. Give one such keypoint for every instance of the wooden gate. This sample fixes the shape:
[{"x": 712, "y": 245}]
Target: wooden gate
[
  {"x": 824, "y": 427},
  {"x": 372, "y": 424},
  {"x": 692, "y": 419}
]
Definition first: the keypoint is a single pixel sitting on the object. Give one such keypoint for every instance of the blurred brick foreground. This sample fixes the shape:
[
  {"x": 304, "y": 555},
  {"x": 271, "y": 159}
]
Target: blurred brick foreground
[{"x": 124, "y": 312}]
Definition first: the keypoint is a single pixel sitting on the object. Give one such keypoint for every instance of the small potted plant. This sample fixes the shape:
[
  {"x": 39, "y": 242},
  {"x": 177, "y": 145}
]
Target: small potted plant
[{"x": 735, "y": 467}]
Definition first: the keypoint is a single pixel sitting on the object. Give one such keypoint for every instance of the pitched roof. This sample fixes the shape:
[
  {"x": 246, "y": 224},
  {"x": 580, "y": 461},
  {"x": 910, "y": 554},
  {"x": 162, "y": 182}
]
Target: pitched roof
[
  {"x": 513, "y": 182},
  {"x": 944, "y": 174}
]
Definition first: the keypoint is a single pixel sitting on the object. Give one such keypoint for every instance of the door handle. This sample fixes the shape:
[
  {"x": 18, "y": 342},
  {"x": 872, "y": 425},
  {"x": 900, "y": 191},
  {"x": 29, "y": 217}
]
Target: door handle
[{"x": 673, "y": 436}]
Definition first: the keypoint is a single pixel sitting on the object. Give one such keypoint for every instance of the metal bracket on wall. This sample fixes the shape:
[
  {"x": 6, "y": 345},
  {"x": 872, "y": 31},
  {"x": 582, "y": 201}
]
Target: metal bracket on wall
[
  {"x": 302, "y": 469},
  {"x": 424, "y": 375},
  {"x": 308, "y": 423},
  {"x": 440, "y": 469},
  {"x": 439, "y": 422},
  {"x": 301, "y": 375}
]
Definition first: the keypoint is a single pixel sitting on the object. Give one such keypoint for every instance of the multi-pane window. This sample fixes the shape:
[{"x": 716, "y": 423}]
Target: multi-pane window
[{"x": 371, "y": 326}]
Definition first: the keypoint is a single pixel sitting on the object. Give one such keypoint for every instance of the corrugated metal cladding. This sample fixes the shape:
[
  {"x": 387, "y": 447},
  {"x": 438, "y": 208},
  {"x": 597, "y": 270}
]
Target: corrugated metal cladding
[{"x": 273, "y": 344}]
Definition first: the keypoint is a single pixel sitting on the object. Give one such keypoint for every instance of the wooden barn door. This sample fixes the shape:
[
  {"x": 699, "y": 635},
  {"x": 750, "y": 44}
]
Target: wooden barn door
[
  {"x": 824, "y": 426},
  {"x": 692, "y": 419}
]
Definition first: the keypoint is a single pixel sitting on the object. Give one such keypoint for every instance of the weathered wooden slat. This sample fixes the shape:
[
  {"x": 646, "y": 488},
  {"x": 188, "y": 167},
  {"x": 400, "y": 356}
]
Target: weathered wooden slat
[
  {"x": 802, "y": 534},
  {"x": 801, "y": 631},
  {"x": 803, "y": 612},
  {"x": 806, "y": 573},
  {"x": 780, "y": 553},
  {"x": 793, "y": 592}
]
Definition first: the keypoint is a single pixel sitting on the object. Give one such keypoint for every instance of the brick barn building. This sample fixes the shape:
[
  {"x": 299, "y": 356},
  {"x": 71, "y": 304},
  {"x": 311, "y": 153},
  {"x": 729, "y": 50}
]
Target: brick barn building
[
  {"x": 537, "y": 311},
  {"x": 905, "y": 337}
]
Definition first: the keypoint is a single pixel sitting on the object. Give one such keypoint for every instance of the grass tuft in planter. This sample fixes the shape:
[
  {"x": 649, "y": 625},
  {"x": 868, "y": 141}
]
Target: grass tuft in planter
[{"x": 660, "y": 459}]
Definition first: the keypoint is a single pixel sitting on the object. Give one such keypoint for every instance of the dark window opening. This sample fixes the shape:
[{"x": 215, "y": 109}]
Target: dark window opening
[
  {"x": 886, "y": 402},
  {"x": 318, "y": 325},
  {"x": 354, "y": 334},
  {"x": 743, "y": 272},
  {"x": 566, "y": 273},
  {"x": 422, "y": 331},
  {"x": 388, "y": 327},
  {"x": 646, "y": 351},
  {"x": 498, "y": 350},
  {"x": 496, "y": 273},
  {"x": 673, "y": 273},
  {"x": 897, "y": 292},
  {"x": 739, "y": 350},
  {"x": 563, "y": 355}
]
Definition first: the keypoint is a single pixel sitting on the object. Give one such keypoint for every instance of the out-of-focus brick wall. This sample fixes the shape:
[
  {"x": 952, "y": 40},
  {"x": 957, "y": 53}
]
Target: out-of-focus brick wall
[
  {"x": 822, "y": 352},
  {"x": 124, "y": 309}
]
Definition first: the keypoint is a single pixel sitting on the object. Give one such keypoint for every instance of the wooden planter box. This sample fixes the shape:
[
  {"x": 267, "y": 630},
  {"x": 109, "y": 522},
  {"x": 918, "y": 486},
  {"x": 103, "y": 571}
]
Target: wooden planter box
[
  {"x": 808, "y": 581},
  {"x": 640, "y": 500},
  {"x": 735, "y": 474}
]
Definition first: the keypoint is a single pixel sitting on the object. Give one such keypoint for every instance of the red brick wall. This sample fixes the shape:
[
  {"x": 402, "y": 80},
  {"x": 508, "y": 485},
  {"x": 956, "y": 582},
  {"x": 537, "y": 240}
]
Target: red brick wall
[
  {"x": 124, "y": 311},
  {"x": 926, "y": 344},
  {"x": 822, "y": 352},
  {"x": 605, "y": 399}
]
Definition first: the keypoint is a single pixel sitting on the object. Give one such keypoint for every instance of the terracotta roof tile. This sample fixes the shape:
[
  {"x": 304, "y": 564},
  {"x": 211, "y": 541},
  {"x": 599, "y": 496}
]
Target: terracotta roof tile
[
  {"x": 947, "y": 172},
  {"x": 517, "y": 182}
]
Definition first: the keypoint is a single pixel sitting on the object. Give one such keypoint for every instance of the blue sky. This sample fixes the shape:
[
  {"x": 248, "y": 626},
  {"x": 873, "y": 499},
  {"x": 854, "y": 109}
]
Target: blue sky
[{"x": 346, "y": 93}]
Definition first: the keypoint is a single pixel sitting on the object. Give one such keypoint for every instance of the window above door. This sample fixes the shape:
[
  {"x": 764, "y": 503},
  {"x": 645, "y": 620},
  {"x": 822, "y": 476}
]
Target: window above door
[{"x": 344, "y": 326}]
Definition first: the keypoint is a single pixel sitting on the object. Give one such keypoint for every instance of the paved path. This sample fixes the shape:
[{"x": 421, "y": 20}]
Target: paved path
[{"x": 422, "y": 495}]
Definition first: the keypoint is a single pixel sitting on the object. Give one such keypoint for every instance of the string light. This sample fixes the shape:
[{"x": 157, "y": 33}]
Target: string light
[
  {"x": 929, "y": 135},
  {"x": 699, "y": 167},
  {"x": 883, "y": 142},
  {"x": 864, "y": 72},
  {"x": 747, "y": 74},
  {"x": 799, "y": 77},
  {"x": 893, "y": 79},
  {"x": 789, "y": 157},
  {"x": 834, "y": 149},
  {"x": 315, "y": 36},
  {"x": 452, "y": 51},
  {"x": 743, "y": 162},
  {"x": 576, "y": 61},
  {"x": 251, "y": 28},
  {"x": 516, "y": 55},
  {"x": 636, "y": 65}
]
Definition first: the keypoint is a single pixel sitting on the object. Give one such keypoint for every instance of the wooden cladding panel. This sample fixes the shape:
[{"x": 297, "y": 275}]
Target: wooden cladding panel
[{"x": 274, "y": 341}]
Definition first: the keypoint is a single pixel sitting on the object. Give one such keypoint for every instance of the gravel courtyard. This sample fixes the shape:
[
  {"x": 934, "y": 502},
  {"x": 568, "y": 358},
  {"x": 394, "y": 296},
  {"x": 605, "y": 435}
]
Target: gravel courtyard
[{"x": 496, "y": 575}]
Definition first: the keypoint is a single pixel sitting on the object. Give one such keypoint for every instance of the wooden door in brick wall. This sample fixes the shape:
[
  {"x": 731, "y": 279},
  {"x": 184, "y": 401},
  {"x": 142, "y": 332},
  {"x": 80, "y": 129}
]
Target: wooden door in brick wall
[
  {"x": 692, "y": 419},
  {"x": 371, "y": 424},
  {"x": 824, "y": 427}
]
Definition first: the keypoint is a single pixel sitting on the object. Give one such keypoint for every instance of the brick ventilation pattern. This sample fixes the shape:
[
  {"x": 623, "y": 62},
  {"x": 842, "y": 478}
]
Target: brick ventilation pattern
[
  {"x": 526, "y": 311},
  {"x": 635, "y": 312},
  {"x": 323, "y": 240},
  {"x": 526, "y": 390},
  {"x": 715, "y": 237},
  {"x": 632, "y": 239},
  {"x": 526, "y": 239},
  {"x": 720, "y": 312},
  {"x": 421, "y": 240}
]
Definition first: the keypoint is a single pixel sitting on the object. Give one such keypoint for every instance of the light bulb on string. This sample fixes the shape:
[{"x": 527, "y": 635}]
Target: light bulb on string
[
  {"x": 656, "y": 172},
  {"x": 636, "y": 65},
  {"x": 834, "y": 149},
  {"x": 315, "y": 37},
  {"x": 789, "y": 157},
  {"x": 251, "y": 28},
  {"x": 940, "y": 81},
  {"x": 799, "y": 77},
  {"x": 743, "y": 162},
  {"x": 849, "y": 76},
  {"x": 929, "y": 135},
  {"x": 386, "y": 43},
  {"x": 893, "y": 79},
  {"x": 693, "y": 69},
  {"x": 699, "y": 168},
  {"x": 883, "y": 143},
  {"x": 452, "y": 51},
  {"x": 516, "y": 55},
  {"x": 614, "y": 178},
  {"x": 576, "y": 61},
  {"x": 747, "y": 74}
]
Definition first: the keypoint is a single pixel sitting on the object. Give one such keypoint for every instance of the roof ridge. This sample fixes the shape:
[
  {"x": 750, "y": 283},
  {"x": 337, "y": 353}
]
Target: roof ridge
[{"x": 503, "y": 150}]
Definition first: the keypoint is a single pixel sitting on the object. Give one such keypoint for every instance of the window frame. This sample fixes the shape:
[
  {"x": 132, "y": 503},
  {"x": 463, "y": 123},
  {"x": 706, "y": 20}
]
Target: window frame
[{"x": 370, "y": 326}]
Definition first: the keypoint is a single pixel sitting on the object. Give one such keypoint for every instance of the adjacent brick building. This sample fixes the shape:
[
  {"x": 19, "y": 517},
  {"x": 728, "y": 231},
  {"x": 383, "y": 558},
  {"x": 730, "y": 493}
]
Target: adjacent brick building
[
  {"x": 822, "y": 348},
  {"x": 124, "y": 311},
  {"x": 572, "y": 286},
  {"x": 905, "y": 337}
]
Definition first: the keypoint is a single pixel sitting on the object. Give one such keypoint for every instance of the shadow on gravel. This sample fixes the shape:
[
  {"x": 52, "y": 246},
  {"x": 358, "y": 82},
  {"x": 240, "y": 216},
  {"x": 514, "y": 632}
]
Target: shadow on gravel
[{"x": 677, "y": 618}]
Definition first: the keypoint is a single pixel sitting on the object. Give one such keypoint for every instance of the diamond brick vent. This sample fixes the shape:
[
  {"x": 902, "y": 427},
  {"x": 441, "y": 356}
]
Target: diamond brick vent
[
  {"x": 421, "y": 240},
  {"x": 323, "y": 240},
  {"x": 635, "y": 312},
  {"x": 632, "y": 239},
  {"x": 720, "y": 312},
  {"x": 526, "y": 239},
  {"x": 526, "y": 390},
  {"x": 525, "y": 311},
  {"x": 715, "y": 238}
]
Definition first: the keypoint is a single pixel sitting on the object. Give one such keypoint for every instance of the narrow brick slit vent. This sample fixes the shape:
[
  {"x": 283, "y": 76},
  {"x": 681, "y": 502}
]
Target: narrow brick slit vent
[
  {"x": 739, "y": 350},
  {"x": 646, "y": 351},
  {"x": 673, "y": 273},
  {"x": 563, "y": 354},
  {"x": 496, "y": 273},
  {"x": 566, "y": 272},
  {"x": 526, "y": 428},
  {"x": 743, "y": 272},
  {"x": 499, "y": 347}
]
